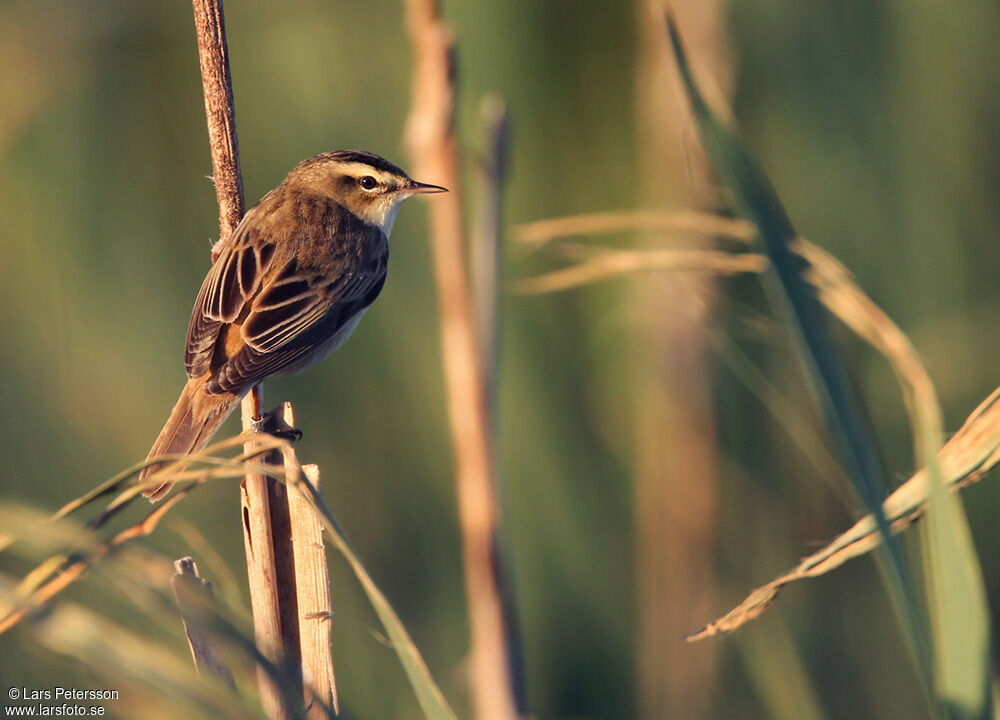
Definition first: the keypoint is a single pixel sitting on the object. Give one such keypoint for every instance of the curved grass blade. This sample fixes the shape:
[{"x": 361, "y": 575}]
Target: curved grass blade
[
  {"x": 144, "y": 579},
  {"x": 429, "y": 695},
  {"x": 955, "y": 588},
  {"x": 843, "y": 412},
  {"x": 972, "y": 452},
  {"x": 959, "y": 613},
  {"x": 60, "y": 570}
]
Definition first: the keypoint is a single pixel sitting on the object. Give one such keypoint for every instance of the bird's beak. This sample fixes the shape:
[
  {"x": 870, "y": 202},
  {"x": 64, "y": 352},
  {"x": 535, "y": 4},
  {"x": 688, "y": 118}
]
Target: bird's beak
[{"x": 416, "y": 188}]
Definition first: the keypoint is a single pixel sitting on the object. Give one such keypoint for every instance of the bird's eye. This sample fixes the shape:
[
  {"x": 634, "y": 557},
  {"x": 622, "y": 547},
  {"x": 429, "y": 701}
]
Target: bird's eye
[{"x": 368, "y": 182}]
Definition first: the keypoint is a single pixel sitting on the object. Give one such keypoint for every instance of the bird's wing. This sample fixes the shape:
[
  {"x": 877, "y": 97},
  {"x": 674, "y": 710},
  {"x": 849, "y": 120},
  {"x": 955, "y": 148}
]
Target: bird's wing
[
  {"x": 295, "y": 316},
  {"x": 260, "y": 312},
  {"x": 230, "y": 285}
]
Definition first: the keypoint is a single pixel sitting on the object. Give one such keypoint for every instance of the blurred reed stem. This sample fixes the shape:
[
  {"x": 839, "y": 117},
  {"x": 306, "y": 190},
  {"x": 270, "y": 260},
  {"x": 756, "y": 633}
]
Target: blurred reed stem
[
  {"x": 487, "y": 270},
  {"x": 674, "y": 448},
  {"x": 188, "y": 584},
  {"x": 487, "y": 246},
  {"x": 834, "y": 392},
  {"x": 495, "y": 668}
]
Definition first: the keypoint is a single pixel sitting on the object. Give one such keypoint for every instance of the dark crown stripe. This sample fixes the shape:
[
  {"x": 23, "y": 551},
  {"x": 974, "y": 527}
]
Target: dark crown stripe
[{"x": 358, "y": 156}]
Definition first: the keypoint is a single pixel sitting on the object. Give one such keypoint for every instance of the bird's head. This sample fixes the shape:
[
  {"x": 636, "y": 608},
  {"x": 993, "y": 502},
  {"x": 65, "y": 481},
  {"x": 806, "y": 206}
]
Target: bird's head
[{"x": 365, "y": 184}]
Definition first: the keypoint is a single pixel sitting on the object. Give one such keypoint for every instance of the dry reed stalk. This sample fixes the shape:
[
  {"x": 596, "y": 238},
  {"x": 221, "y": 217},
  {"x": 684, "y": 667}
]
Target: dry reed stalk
[
  {"x": 433, "y": 147},
  {"x": 312, "y": 588},
  {"x": 488, "y": 241},
  {"x": 266, "y": 579},
  {"x": 217, "y": 87},
  {"x": 187, "y": 583},
  {"x": 285, "y": 561},
  {"x": 263, "y": 574}
]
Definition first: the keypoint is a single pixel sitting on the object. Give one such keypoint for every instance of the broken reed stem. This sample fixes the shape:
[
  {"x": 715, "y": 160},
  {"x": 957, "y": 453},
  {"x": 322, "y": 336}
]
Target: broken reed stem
[
  {"x": 312, "y": 584},
  {"x": 433, "y": 147},
  {"x": 284, "y": 556},
  {"x": 189, "y": 587}
]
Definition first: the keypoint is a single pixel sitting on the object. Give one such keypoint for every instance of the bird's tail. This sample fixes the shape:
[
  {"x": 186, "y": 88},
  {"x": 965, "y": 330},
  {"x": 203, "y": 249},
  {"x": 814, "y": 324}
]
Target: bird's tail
[{"x": 192, "y": 423}]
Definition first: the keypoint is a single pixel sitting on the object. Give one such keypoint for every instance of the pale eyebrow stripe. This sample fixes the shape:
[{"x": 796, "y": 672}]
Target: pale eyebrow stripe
[{"x": 358, "y": 168}]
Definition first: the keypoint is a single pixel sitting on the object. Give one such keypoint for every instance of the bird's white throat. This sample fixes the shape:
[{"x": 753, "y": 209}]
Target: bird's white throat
[{"x": 382, "y": 214}]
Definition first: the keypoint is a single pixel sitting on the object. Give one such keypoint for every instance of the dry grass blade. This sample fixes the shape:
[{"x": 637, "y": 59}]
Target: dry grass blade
[
  {"x": 972, "y": 452},
  {"x": 173, "y": 471},
  {"x": 58, "y": 572},
  {"x": 848, "y": 302},
  {"x": 127, "y": 489},
  {"x": 955, "y": 588},
  {"x": 682, "y": 221},
  {"x": 147, "y": 672},
  {"x": 146, "y": 580},
  {"x": 614, "y": 263},
  {"x": 834, "y": 391},
  {"x": 430, "y": 697}
]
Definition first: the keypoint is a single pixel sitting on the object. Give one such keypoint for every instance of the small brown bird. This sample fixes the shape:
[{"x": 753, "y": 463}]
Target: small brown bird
[{"x": 287, "y": 289}]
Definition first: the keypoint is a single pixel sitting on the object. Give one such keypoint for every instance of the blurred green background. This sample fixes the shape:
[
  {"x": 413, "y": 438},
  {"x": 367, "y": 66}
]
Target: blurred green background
[{"x": 879, "y": 123}]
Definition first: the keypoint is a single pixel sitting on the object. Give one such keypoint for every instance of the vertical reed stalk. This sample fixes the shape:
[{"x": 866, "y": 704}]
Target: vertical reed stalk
[
  {"x": 264, "y": 503},
  {"x": 262, "y": 574},
  {"x": 675, "y": 447},
  {"x": 433, "y": 146},
  {"x": 487, "y": 244},
  {"x": 217, "y": 87}
]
